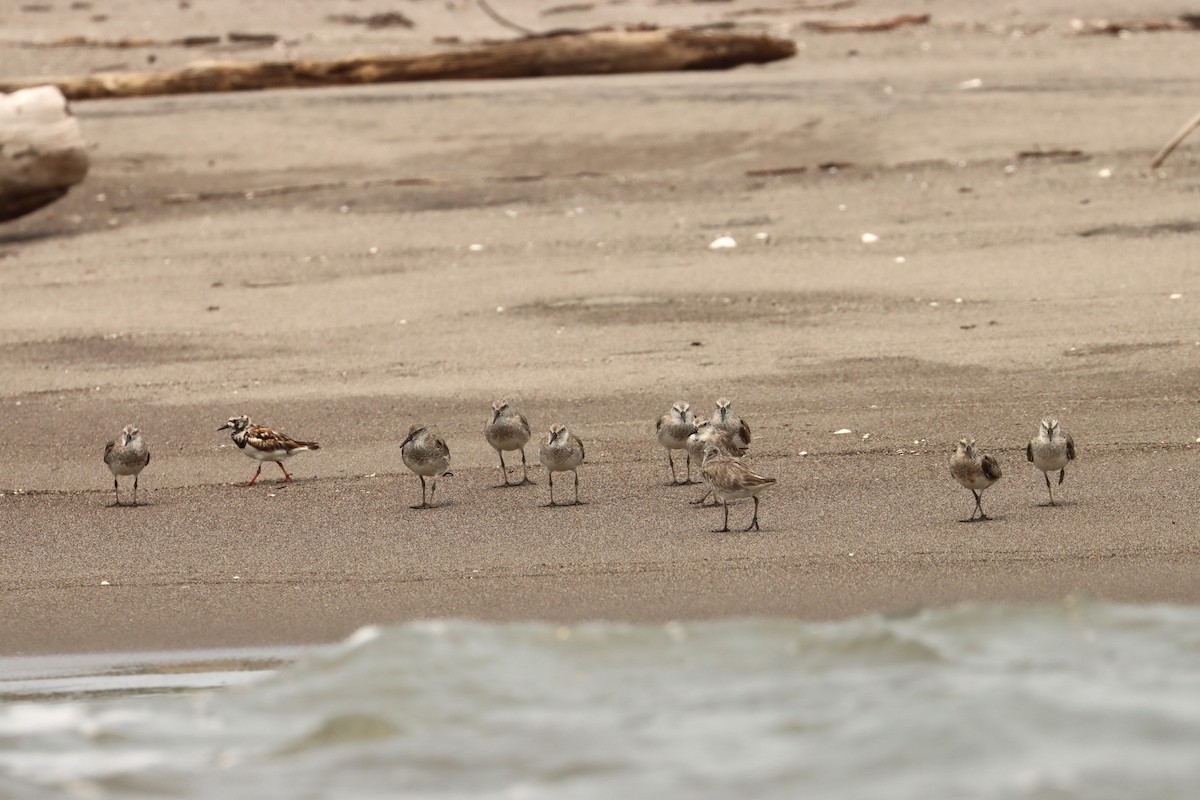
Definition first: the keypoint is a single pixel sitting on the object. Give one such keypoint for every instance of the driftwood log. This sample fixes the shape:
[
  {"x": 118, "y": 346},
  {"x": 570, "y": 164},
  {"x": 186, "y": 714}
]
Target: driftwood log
[
  {"x": 42, "y": 152},
  {"x": 583, "y": 53}
]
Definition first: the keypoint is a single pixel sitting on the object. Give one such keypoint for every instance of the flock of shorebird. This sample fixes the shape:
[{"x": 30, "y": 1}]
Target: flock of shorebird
[{"x": 718, "y": 443}]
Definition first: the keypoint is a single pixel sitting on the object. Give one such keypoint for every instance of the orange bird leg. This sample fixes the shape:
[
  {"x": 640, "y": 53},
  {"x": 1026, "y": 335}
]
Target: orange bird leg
[
  {"x": 286, "y": 476},
  {"x": 256, "y": 473}
]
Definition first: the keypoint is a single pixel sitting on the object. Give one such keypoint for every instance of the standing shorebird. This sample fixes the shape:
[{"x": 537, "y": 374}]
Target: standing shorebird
[
  {"x": 724, "y": 419},
  {"x": 427, "y": 455},
  {"x": 1050, "y": 450},
  {"x": 707, "y": 434},
  {"x": 126, "y": 456},
  {"x": 561, "y": 452},
  {"x": 730, "y": 479},
  {"x": 507, "y": 429},
  {"x": 264, "y": 444},
  {"x": 975, "y": 470},
  {"x": 673, "y": 430}
]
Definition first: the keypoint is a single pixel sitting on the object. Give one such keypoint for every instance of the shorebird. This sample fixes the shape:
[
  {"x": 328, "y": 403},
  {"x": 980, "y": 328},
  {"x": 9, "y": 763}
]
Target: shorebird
[
  {"x": 725, "y": 420},
  {"x": 673, "y": 430},
  {"x": 1050, "y": 450},
  {"x": 706, "y": 434},
  {"x": 126, "y": 456},
  {"x": 264, "y": 444},
  {"x": 561, "y": 452},
  {"x": 975, "y": 470},
  {"x": 508, "y": 430},
  {"x": 730, "y": 479},
  {"x": 427, "y": 455}
]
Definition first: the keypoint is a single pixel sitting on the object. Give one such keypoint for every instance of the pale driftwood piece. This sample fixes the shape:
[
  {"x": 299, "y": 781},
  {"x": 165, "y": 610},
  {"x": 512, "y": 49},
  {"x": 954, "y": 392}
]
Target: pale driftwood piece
[
  {"x": 875, "y": 26},
  {"x": 598, "y": 52},
  {"x": 42, "y": 152},
  {"x": 1110, "y": 27},
  {"x": 1191, "y": 125}
]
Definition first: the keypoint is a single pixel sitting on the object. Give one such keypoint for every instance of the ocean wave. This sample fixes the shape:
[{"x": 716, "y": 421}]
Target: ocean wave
[{"x": 1077, "y": 700}]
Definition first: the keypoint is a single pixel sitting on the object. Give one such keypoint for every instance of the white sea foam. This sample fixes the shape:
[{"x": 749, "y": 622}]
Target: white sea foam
[{"x": 1079, "y": 700}]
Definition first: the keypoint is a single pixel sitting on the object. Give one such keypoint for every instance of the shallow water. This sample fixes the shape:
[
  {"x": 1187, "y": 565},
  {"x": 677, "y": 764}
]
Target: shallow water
[{"x": 1087, "y": 701}]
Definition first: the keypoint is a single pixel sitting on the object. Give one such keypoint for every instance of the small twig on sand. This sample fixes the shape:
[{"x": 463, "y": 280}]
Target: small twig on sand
[
  {"x": 1191, "y": 125},
  {"x": 487, "y": 9}
]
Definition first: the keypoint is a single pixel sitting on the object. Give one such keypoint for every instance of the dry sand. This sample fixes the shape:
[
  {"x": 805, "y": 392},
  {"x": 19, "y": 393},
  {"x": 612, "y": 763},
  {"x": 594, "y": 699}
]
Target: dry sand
[{"x": 560, "y": 257}]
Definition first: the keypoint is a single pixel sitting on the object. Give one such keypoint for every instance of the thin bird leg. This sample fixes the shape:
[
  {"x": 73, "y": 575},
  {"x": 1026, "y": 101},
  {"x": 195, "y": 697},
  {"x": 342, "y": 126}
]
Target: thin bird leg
[
  {"x": 1049, "y": 488},
  {"x": 432, "y": 489},
  {"x": 503, "y": 468},
  {"x": 753, "y": 526},
  {"x": 255, "y": 478},
  {"x": 524, "y": 471},
  {"x": 550, "y": 478},
  {"x": 976, "y": 496},
  {"x": 116, "y": 492},
  {"x": 135, "y": 479},
  {"x": 725, "y": 528},
  {"x": 703, "y": 497},
  {"x": 979, "y": 505},
  {"x": 689, "y": 469},
  {"x": 423, "y": 503},
  {"x": 286, "y": 476},
  {"x": 1062, "y": 473},
  {"x": 671, "y": 461},
  {"x": 576, "y": 486}
]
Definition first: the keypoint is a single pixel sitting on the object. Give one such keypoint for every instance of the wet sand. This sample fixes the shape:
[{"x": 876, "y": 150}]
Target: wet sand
[{"x": 555, "y": 250}]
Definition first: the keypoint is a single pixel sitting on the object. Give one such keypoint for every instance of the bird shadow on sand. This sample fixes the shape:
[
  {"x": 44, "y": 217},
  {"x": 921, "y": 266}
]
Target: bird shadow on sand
[
  {"x": 989, "y": 518},
  {"x": 1057, "y": 504},
  {"x": 432, "y": 506}
]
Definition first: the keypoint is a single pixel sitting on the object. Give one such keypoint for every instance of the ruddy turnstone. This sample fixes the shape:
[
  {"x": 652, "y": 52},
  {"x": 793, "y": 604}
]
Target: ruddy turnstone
[
  {"x": 426, "y": 454},
  {"x": 1050, "y": 450},
  {"x": 730, "y": 479},
  {"x": 724, "y": 419},
  {"x": 561, "y": 452},
  {"x": 507, "y": 429},
  {"x": 673, "y": 430},
  {"x": 975, "y": 470},
  {"x": 126, "y": 456},
  {"x": 706, "y": 434},
  {"x": 263, "y": 444}
]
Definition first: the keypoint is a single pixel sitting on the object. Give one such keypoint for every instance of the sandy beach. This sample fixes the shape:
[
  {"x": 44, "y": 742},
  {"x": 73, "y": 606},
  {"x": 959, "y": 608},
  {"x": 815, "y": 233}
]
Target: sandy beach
[{"x": 548, "y": 240}]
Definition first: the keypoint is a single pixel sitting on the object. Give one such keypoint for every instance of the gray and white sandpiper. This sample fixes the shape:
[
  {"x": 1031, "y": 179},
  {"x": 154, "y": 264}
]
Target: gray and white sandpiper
[
  {"x": 724, "y": 419},
  {"x": 127, "y": 455},
  {"x": 975, "y": 470},
  {"x": 730, "y": 479},
  {"x": 672, "y": 431},
  {"x": 706, "y": 434},
  {"x": 427, "y": 455},
  {"x": 1050, "y": 450},
  {"x": 264, "y": 444},
  {"x": 506, "y": 429},
  {"x": 561, "y": 452}
]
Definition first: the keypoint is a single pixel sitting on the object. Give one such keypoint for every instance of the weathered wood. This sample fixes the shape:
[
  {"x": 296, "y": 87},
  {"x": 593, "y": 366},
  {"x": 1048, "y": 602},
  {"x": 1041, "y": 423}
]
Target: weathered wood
[
  {"x": 589, "y": 52},
  {"x": 42, "y": 153},
  {"x": 874, "y": 26}
]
